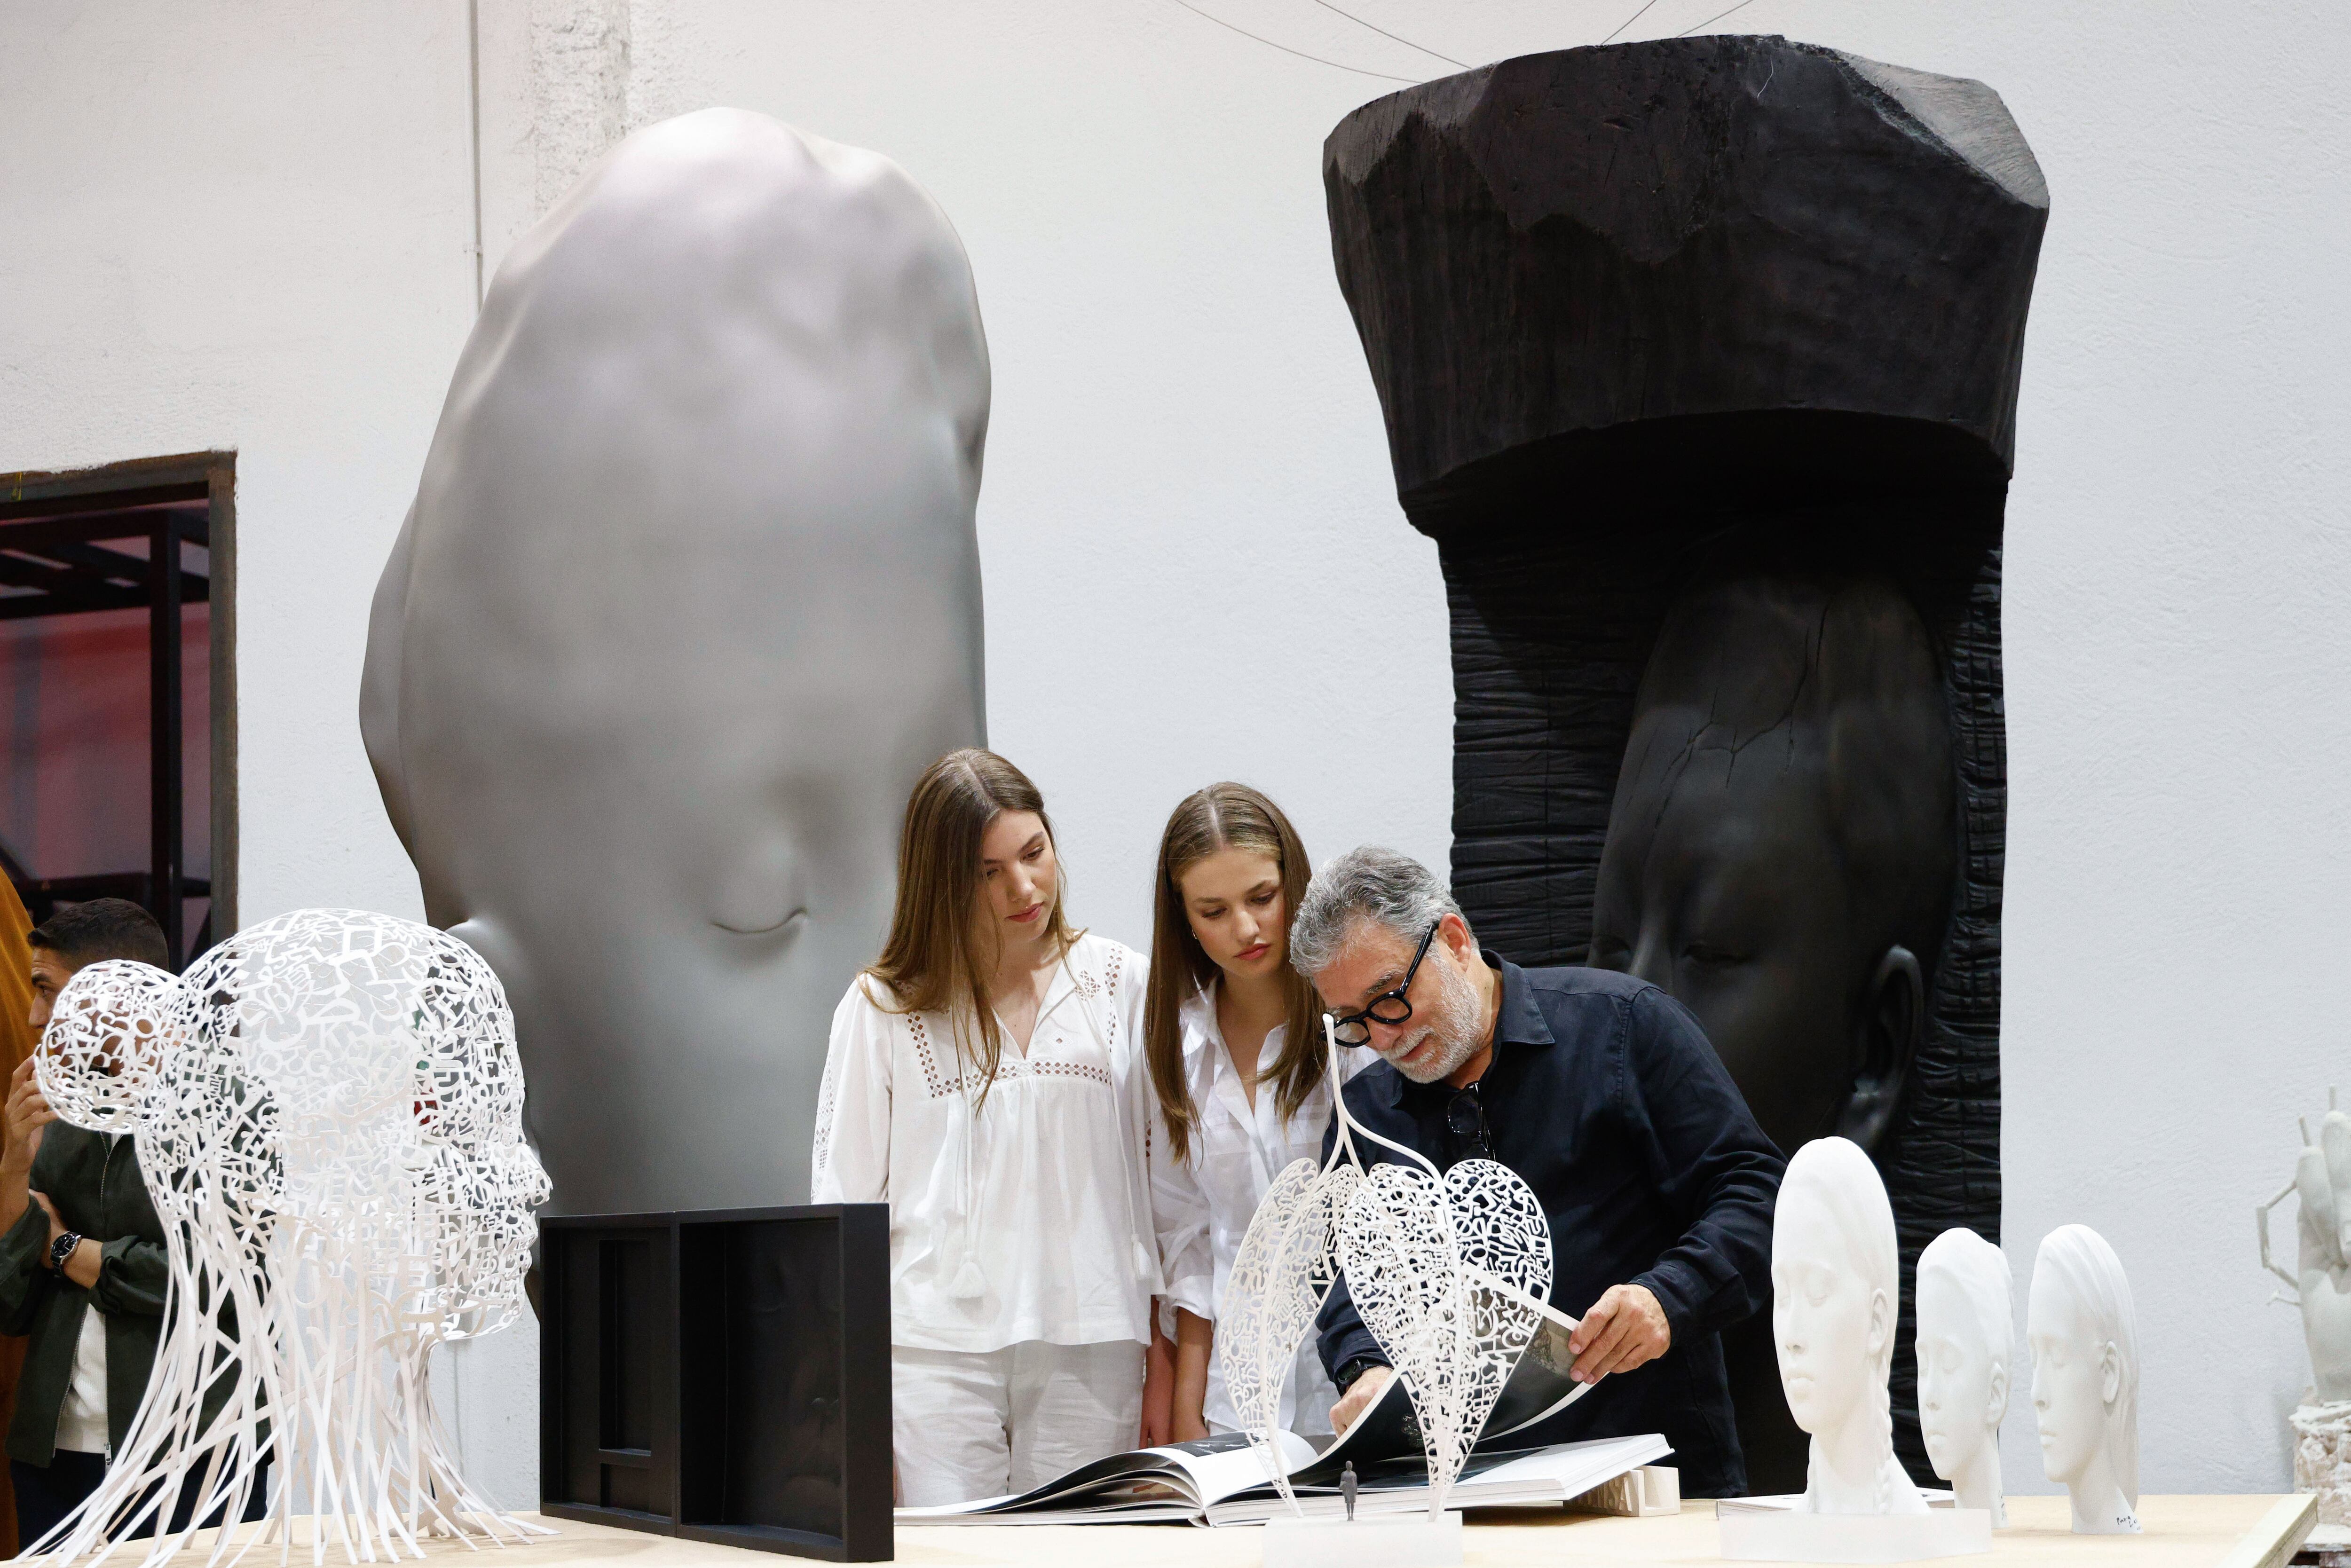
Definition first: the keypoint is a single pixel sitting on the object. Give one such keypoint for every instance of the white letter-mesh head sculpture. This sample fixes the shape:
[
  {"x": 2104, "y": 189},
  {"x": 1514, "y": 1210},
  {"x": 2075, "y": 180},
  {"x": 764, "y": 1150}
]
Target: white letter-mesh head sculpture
[
  {"x": 329, "y": 1122},
  {"x": 1451, "y": 1270}
]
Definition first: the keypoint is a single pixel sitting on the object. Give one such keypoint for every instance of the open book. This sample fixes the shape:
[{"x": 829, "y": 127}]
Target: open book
[
  {"x": 1540, "y": 1388},
  {"x": 1220, "y": 1481}
]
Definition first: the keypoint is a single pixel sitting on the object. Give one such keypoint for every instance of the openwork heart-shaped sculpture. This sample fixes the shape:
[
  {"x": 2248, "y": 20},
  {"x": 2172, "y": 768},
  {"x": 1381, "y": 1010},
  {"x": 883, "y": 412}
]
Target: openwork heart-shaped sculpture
[
  {"x": 1279, "y": 1278},
  {"x": 1449, "y": 1275}
]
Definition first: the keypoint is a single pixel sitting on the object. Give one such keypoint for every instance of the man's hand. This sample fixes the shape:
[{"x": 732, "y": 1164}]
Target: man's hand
[
  {"x": 1359, "y": 1395},
  {"x": 26, "y": 1114},
  {"x": 1625, "y": 1328}
]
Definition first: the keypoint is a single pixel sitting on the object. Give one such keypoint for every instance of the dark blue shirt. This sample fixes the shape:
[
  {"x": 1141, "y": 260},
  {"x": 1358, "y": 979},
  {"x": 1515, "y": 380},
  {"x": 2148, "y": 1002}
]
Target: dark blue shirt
[{"x": 1604, "y": 1093}]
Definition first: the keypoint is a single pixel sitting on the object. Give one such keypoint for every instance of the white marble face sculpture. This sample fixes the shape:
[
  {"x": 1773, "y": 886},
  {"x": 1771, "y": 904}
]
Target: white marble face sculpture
[
  {"x": 1966, "y": 1343},
  {"x": 688, "y": 599},
  {"x": 2084, "y": 1334},
  {"x": 1836, "y": 1290}
]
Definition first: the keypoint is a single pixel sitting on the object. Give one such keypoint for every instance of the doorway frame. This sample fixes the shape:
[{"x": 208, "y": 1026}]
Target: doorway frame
[{"x": 212, "y": 477}]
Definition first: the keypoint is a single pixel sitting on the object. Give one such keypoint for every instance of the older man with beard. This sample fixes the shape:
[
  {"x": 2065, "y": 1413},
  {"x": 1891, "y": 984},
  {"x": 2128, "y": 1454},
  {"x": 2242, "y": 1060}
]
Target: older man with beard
[{"x": 1601, "y": 1091}]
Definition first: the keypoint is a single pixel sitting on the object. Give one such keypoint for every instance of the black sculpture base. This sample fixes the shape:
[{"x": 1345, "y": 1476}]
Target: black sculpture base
[{"x": 721, "y": 1375}]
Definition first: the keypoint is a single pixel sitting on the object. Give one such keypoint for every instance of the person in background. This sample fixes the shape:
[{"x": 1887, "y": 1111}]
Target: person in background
[
  {"x": 985, "y": 1080},
  {"x": 18, "y": 1036},
  {"x": 82, "y": 1262},
  {"x": 1234, "y": 1040},
  {"x": 1600, "y": 1090}
]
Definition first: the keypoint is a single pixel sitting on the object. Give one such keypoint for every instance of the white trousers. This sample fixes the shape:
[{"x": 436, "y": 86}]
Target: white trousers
[{"x": 982, "y": 1424}]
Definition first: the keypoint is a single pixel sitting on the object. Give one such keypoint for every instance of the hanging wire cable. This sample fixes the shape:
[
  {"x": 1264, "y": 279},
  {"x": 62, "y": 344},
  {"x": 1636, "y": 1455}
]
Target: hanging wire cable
[
  {"x": 1631, "y": 19},
  {"x": 1384, "y": 33},
  {"x": 1710, "y": 21},
  {"x": 1301, "y": 54}
]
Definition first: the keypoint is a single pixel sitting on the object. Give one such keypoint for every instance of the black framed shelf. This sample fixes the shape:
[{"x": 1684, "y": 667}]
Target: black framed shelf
[{"x": 720, "y": 1376}]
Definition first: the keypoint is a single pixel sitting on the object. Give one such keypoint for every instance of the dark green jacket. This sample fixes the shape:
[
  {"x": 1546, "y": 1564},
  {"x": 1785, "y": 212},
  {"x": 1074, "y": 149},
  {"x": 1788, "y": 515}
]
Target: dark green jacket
[{"x": 98, "y": 1190}]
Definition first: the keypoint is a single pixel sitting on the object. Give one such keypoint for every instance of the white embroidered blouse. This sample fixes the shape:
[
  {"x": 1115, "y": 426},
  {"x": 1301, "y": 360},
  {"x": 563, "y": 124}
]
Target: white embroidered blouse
[
  {"x": 1236, "y": 1151},
  {"x": 1021, "y": 1214}
]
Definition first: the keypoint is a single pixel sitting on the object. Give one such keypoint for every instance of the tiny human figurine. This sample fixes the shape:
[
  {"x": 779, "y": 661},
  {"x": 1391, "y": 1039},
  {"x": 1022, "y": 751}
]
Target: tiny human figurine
[
  {"x": 1837, "y": 1289},
  {"x": 2082, "y": 1333},
  {"x": 1967, "y": 1343}
]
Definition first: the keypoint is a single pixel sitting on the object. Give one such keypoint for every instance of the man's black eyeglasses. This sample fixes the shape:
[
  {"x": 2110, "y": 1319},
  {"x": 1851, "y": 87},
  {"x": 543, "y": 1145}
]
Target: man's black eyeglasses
[{"x": 1389, "y": 1007}]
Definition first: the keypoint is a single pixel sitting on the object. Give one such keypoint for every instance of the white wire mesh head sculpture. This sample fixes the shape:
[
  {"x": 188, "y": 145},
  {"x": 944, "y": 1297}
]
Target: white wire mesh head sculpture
[
  {"x": 1450, "y": 1272},
  {"x": 334, "y": 1138}
]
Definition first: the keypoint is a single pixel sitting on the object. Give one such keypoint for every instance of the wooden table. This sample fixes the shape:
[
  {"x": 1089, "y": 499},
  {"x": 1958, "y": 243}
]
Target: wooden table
[{"x": 2235, "y": 1531}]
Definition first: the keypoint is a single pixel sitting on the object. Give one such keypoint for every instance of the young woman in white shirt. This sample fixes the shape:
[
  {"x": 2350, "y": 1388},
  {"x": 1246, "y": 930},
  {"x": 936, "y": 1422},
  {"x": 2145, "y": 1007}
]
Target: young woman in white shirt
[
  {"x": 1234, "y": 1039},
  {"x": 985, "y": 1079}
]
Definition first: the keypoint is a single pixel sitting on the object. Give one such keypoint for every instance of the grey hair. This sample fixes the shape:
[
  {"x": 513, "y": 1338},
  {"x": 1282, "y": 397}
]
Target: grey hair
[{"x": 1369, "y": 883}]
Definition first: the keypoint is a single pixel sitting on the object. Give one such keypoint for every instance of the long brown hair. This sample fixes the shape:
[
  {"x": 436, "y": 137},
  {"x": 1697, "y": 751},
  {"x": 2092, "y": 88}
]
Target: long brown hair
[
  {"x": 1222, "y": 817},
  {"x": 936, "y": 960}
]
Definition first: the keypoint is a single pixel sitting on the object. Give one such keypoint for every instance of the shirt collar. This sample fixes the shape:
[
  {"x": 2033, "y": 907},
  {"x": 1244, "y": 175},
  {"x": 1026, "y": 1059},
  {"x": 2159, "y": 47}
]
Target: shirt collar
[
  {"x": 1204, "y": 1038},
  {"x": 1517, "y": 1020},
  {"x": 1198, "y": 1010}
]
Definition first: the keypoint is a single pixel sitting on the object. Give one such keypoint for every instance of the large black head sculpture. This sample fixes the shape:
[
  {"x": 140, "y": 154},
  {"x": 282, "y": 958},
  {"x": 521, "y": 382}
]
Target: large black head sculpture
[{"x": 1700, "y": 362}]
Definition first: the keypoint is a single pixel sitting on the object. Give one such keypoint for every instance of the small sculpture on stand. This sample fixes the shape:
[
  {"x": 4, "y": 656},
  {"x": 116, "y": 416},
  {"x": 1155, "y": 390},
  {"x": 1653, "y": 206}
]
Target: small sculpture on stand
[
  {"x": 1836, "y": 1295},
  {"x": 1966, "y": 1341},
  {"x": 2320, "y": 1288},
  {"x": 2084, "y": 1332},
  {"x": 1836, "y": 1290},
  {"x": 1451, "y": 1271}
]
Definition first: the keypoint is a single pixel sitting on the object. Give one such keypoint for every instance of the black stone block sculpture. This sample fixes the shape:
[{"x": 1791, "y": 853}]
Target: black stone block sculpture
[{"x": 1699, "y": 360}]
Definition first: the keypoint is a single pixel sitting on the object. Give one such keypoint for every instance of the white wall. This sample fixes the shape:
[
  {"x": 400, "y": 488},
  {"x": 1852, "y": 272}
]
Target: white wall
[{"x": 245, "y": 224}]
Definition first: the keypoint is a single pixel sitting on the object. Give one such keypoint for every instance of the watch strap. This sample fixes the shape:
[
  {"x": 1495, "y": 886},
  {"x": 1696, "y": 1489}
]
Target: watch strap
[{"x": 1356, "y": 1369}]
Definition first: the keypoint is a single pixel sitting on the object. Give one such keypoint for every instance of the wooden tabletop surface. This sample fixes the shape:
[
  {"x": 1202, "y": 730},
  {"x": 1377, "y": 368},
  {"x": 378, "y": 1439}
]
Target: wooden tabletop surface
[{"x": 2231, "y": 1531}]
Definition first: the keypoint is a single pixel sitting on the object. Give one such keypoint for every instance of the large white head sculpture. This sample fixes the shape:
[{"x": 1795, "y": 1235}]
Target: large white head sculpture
[
  {"x": 1966, "y": 1341},
  {"x": 1836, "y": 1292},
  {"x": 2083, "y": 1330},
  {"x": 688, "y": 599}
]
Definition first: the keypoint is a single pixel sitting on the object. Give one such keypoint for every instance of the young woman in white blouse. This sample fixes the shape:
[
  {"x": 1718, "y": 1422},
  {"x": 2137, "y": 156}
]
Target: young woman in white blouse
[
  {"x": 1234, "y": 1039},
  {"x": 985, "y": 1079}
]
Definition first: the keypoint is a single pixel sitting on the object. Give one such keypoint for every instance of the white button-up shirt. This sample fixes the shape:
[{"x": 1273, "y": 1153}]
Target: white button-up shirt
[
  {"x": 1021, "y": 1214},
  {"x": 1236, "y": 1151}
]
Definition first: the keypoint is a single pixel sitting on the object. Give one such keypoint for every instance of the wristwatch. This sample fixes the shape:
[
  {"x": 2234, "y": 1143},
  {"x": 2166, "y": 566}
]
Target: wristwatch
[
  {"x": 1354, "y": 1369},
  {"x": 62, "y": 1249}
]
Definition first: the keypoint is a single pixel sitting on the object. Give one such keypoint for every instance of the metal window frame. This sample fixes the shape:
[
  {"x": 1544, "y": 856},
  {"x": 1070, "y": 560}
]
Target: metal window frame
[{"x": 60, "y": 514}]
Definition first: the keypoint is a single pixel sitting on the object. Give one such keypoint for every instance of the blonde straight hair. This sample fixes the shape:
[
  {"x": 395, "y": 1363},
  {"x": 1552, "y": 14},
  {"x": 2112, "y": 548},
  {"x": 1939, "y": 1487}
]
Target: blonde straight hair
[
  {"x": 936, "y": 960},
  {"x": 1222, "y": 817}
]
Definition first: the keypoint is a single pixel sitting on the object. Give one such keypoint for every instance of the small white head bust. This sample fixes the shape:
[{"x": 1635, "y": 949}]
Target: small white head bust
[
  {"x": 1836, "y": 1290},
  {"x": 2082, "y": 1333},
  {"x": 1967, "y": 1340}
]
